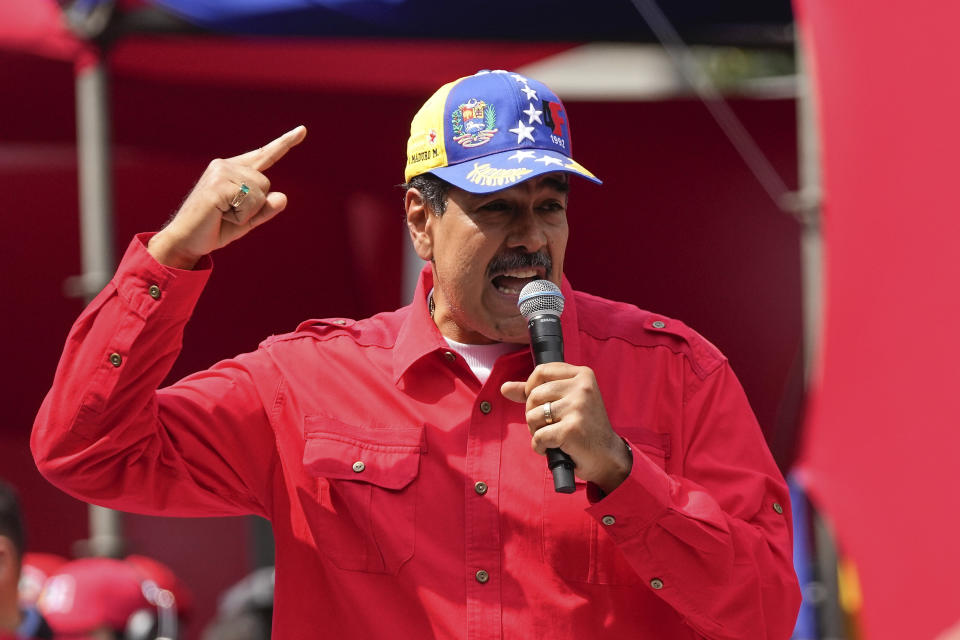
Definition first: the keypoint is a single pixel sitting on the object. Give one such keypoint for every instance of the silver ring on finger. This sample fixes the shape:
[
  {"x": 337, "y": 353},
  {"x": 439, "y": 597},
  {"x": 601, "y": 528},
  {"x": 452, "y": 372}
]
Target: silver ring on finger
[
  {"x": 548, "y": 412},
  {"x": 239, "y": 197}
]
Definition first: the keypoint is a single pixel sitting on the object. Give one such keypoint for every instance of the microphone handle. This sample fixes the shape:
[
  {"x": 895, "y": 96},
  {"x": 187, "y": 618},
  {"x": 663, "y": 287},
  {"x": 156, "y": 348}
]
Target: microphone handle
[{"x": 546, "y": 343}]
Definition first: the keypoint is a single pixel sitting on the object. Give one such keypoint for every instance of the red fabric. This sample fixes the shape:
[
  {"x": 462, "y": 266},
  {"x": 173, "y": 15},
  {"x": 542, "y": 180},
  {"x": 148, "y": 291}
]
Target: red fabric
[
  {"x": 335, "y": 65},
  {"x": 880, "y": 455},
  {"x": 164, "y": 578},
  {"x": 38, "y": 26},
  {"x": 696, "y": 545},
  {"x": 92, "y": 593}
]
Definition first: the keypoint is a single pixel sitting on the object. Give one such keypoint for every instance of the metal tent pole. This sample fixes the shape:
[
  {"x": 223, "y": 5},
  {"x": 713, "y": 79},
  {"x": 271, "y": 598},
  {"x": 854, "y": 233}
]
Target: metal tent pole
[
  {"x": 808, "y": 206},
  {"x": 96, "y": 238},
  {"x": 808, "y": 210}
]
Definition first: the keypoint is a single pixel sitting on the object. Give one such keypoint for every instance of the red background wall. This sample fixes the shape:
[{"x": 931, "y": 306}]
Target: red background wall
[{"x": 680, "y": 226}]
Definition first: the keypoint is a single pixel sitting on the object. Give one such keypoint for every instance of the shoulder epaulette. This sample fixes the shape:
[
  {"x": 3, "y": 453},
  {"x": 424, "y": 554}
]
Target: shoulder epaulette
[
  {"x": 704, "y": 356},
  {"x": 642, "y": 328},
  {"x": 320, "y": 329}
]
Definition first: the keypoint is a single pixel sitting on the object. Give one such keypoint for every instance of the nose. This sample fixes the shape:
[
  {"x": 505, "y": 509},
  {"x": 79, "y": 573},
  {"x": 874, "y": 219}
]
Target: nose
[{"x": 527, "y": 231}]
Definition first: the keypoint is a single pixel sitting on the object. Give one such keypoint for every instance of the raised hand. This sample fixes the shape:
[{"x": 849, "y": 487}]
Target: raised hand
[{"x": 231, "y": 198}]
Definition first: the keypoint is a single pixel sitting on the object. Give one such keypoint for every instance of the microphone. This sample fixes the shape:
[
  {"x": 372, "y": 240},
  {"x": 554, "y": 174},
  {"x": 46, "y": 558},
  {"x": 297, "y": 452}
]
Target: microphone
[{"x": 541, "y": 304}]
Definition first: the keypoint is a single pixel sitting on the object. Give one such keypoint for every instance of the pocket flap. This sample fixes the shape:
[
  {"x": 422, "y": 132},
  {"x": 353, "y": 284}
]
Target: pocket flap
[
  {"x": 388, "y": 457},
  {"x": 647, "y": 440}
]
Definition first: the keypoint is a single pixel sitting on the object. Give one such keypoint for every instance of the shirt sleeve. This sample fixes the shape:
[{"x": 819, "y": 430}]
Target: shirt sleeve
[
  {"x": 715, "y": 542},
  {"x": 107, "y": 435}
]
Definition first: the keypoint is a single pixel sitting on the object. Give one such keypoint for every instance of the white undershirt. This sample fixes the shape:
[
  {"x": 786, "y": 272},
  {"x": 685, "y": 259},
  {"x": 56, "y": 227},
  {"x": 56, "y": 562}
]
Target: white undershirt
[{"x": 481, "y": 357}]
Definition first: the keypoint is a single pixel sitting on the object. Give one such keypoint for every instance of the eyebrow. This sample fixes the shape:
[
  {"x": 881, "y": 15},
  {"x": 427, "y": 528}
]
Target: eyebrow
[{"x": 563, "y": 186}]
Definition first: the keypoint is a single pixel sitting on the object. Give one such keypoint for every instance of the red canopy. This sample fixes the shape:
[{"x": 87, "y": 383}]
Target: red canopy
[{"x": 37, "y": 26}]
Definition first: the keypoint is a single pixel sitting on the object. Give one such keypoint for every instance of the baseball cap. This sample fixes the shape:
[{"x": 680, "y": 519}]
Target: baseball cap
[
  {"x": 92, "y": 593},
  {"x": 489, "y": 131},
  {"x": 36, "y": 568}
]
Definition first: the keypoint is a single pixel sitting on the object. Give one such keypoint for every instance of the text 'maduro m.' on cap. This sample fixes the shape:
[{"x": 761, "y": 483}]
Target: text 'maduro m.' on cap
[{"x": 490, "y": 131}]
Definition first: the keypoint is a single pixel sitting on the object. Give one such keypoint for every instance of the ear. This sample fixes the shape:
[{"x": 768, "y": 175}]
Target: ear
[{"x": 419, "y": 222}]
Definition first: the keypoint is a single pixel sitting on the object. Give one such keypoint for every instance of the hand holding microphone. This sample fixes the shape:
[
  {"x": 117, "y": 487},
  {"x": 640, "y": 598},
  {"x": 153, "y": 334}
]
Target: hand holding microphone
[{"x": 564, "y": 408}]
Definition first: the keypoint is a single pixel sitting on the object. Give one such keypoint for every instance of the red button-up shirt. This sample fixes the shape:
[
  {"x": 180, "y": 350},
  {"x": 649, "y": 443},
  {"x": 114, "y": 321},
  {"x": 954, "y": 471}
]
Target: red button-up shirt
[{"x": 363, "y": 442}]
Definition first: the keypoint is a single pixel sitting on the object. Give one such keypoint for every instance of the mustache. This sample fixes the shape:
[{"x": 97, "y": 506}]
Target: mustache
[{"x": 507, "y": 261}]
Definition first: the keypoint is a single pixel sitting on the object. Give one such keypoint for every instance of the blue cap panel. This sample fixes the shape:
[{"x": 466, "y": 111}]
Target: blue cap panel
[
  {"x": 499, "y": 128},
  {"x": 500, "y": 111}
]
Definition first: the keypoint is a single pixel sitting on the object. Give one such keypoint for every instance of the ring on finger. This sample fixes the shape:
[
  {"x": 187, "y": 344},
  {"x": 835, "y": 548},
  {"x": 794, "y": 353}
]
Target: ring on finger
[
  {"x": 548, "y": 412},
  {"x": 240, "y": 196}
]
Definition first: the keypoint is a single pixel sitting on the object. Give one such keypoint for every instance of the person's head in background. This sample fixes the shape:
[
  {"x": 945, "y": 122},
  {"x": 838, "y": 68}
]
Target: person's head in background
[{"x": 12, "y": 543}]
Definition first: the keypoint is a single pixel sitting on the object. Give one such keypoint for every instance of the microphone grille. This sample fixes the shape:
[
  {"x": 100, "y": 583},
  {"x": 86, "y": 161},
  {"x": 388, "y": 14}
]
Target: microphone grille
[{"x": 540, "y": 296}]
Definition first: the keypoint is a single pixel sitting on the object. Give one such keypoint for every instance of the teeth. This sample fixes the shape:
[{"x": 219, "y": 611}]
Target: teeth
[{"x": 518, "y": 274}]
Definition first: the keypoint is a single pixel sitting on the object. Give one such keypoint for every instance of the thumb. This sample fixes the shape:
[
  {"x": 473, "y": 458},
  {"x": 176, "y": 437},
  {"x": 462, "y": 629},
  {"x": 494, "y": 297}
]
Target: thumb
[{"x": 514, "y": 391}]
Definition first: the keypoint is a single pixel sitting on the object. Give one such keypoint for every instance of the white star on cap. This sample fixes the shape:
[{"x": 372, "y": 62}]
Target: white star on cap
[
  {"x": 522, "y": 131},
  {"x": 520, "y": 156},
  {"x": 534, "y": 114},
  {"x": 519, "y": 78},
  {"x": 531, "y": 94},
  {"x": 548, "y": 160}
]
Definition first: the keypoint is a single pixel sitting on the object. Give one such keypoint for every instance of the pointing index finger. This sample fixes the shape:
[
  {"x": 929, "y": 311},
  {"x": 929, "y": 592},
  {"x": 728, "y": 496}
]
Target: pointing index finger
[{"x": 266, "y": 156}]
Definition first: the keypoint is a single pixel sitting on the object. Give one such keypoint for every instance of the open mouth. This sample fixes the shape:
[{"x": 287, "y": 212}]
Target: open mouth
[{"x": 511, "y": 282}]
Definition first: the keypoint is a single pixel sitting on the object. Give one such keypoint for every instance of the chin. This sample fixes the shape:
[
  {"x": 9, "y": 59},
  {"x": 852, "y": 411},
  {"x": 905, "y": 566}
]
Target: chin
[{"x": 514, "y": 331}]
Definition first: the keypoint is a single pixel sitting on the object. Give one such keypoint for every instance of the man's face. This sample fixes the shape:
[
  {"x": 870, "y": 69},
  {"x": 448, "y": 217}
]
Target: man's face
[{"x": 485, "y": 248}]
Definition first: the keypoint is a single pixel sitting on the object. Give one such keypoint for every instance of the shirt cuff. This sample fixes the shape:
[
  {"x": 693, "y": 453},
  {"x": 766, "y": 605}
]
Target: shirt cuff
[
  {"x": 150, "y": 288},
  {"x": 640, "y": 500}
]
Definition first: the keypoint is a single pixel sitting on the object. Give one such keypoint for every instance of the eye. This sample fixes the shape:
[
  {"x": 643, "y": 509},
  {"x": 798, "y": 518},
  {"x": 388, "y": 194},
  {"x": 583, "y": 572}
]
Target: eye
[
  {"x": 495, "y": 205},
  {"x": 552, "y": 206}
]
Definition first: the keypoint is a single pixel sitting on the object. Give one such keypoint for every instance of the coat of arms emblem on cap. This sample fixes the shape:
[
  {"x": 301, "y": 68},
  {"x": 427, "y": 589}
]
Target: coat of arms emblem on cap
[{"x": 474, "y": 123}]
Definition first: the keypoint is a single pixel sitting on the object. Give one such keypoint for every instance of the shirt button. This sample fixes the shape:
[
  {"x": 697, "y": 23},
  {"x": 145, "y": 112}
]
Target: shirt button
[
  {"x": 608, "y": 520},
  {"x": 115, "y": 359},
  {"x": 154, "y": 292},
  {"x": 483, "y": 577},
  {"x": 449, "y": 356},
  {"x": 656, "y": 583},
  {"x": 480, "y": 487},
  {"x": 358, "y": 466},
  {"x": 339, "y": 322},
  {"x": 485, "y": 407},
  {"x": 778, "y": 508},
  {"x": 659, "y": 324}
]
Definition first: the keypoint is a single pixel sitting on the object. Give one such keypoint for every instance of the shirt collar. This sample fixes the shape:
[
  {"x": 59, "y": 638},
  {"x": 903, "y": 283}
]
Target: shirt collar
[{"x": 419, "y": 335}]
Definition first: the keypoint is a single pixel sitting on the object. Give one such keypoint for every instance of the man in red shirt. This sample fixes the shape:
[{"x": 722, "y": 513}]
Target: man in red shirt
[{"x": 393, "y": 454}]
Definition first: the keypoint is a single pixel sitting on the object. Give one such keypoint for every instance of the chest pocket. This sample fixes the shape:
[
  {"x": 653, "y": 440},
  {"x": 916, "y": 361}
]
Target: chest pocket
[
  {"x": 573, "y": 543},
  {"x": 363, "y": 513}
]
